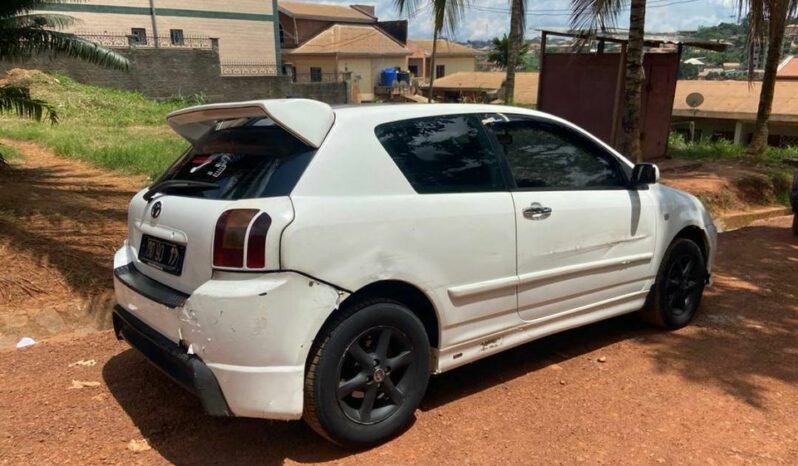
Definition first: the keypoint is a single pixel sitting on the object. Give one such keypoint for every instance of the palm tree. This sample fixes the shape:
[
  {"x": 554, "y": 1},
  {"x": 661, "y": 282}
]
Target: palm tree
[
  {"x": 500, "y": 52},
  {"x": 591, "y": 16},
  {"x": 517, "y": 28},
  {"x": 767, "y": 24},
  {"x": 446, "y": 14},
  {"x": 25, "y": 33}
]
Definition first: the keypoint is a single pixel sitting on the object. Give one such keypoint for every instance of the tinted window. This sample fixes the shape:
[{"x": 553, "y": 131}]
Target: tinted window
[
  {"x": 547, "y": 156},
  {"x": 448, "y": 154},
  {"x": 254, "y": 158}
]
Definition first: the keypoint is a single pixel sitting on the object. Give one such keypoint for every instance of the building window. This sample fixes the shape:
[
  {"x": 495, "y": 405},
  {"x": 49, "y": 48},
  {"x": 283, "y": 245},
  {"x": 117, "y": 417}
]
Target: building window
[
  {"x": 138, "y": 36},
  {"x": 176, "y": 35},
  {"x": 413, "y": 69},
  {"x": 315, "y": 74},
  {"x": 440, "y": 71}
]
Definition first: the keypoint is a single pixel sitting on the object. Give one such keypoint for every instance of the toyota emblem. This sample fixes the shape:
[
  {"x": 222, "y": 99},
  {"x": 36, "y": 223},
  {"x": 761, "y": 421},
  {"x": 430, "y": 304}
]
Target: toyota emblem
[{"x": 156, "y": 210}]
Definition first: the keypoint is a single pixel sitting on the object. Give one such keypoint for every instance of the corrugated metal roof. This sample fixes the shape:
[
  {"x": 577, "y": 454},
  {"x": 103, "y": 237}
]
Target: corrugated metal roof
[
  {"x": 788, "y": 69},
  {"x": 526, "y": 83},
  {"x": 651, "y": 39},
  {"x": 423, "y": 48},
  {"x": 325, "y": 12},
  {"x": 735, "y": 100},
  {"x": 351, "y": 39}
]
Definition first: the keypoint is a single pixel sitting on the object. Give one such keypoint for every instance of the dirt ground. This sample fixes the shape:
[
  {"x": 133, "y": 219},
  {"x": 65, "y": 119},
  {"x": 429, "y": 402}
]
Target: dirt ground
[
  {"x": 60, "y": 222},
  {"x": 722, "y": 391}
]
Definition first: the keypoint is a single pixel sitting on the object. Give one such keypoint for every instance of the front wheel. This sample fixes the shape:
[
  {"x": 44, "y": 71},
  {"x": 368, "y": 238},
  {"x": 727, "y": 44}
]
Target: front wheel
[
  {"x": 367, "y": 374},
  {"x": 679, "y": 286}
]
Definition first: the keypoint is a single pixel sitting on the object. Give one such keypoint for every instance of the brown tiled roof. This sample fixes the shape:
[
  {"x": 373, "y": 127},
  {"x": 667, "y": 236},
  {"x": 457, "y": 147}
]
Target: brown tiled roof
[
  {"x": 351, "y": 39},
  {"x": 735, "y": 100},
  {"x": 526, "y": 83},
  {"x": 788, "y": 69},
  {"x": 325, "y": 12},
  {"x": 423, "y": 48}
]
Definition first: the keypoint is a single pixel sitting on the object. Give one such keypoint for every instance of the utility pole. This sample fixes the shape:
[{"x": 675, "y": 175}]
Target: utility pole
[{"x": 154, "y": 23}]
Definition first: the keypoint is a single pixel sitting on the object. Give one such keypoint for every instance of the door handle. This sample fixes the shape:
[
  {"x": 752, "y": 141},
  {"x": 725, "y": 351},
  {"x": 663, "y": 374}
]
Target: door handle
[{"x": 537, "y": 212}]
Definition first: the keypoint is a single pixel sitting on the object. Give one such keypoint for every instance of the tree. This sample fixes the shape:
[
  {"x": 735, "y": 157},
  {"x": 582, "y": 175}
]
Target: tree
[
  {"x": 517, "y": 27},
  {"x": 446, "y": 15},
  {"x": 767, "y": 21},
  {"x": 24, "y": 33},
  {"x": 591, "y": 16},
  {"x": 499, "y": 53}
]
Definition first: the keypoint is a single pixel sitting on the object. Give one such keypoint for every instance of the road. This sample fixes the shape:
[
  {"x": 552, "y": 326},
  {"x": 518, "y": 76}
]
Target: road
[{"x": 722, "y": 391}]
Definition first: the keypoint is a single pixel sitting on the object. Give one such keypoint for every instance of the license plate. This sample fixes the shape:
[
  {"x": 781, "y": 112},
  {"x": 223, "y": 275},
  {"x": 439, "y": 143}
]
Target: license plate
[{"x": 162, "y": 255}]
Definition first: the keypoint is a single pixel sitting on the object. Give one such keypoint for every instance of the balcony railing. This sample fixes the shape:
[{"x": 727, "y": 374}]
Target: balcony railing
[
  {"x": 165, "y": 42},
  {"x": 320, "y": 77},
  {"x": 231, "y": 68}
]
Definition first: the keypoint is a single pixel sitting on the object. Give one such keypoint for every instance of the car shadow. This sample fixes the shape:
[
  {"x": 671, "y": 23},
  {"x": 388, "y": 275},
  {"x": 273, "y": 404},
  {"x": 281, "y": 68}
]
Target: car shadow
[{"x": 174, "y": 424}]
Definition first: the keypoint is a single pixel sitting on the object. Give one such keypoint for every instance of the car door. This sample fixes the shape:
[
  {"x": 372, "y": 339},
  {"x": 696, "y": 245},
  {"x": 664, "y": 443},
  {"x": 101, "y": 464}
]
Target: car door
[{"x": 585, "y": 240}]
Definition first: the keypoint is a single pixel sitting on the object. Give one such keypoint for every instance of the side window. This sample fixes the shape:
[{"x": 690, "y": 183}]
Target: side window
[
  {"x": 315, "y": 74},
  {"x": 547, "y": 156},
  {"x": 138, "y": 36},
  {"x": 444, "y": 154}
]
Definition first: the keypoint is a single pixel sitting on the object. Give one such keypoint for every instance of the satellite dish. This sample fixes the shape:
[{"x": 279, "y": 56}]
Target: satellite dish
[{"x": 695, "y": 100}]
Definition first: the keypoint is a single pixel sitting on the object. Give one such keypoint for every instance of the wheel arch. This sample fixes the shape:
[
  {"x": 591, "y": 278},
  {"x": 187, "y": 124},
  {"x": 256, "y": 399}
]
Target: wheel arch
[
  {"x": 697, "y": 235},
  {"x": 403, "y": 292}
]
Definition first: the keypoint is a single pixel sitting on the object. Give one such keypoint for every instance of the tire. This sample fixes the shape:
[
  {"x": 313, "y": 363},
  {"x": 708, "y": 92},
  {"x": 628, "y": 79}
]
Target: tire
[
  {"x": 795, "y": 224},
  {"x": 679, "y": 286},
  {"x": 351, "y": 367}
]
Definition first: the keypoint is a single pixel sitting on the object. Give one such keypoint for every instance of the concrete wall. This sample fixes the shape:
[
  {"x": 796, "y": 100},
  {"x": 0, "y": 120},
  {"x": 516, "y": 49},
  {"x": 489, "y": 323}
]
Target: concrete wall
[
  {"x": 451, "y": 65},
  {"x": 167, "y": 73}
]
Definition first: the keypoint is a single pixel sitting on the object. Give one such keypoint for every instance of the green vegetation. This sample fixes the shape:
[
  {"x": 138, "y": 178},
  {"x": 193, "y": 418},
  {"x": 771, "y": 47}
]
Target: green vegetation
[
  {"x": 779, "y": 164},
  {"x": 114, "y": 129},
  {"x": 24, "y": 32},
  {"x": 9, "y": 153}
]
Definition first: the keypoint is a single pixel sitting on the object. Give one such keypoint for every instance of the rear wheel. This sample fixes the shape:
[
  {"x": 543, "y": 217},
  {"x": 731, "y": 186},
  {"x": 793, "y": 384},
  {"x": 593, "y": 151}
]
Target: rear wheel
[
  {"x": 679, "y": 286},
  {"x": 367, "y": 374}
]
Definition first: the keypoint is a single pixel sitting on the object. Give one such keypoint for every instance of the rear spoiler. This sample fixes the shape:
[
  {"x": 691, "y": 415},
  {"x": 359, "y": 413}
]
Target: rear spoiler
[{"x": 308, "y": 120}]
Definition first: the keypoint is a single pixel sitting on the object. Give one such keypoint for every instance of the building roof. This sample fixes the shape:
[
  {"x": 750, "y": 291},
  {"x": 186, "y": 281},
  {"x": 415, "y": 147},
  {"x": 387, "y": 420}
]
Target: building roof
[
  {"x": 736, "y": 100},
  {"x": 621, "y": 36},
  {"x": 526, "y": 83},
  {"x": 788, "y": 69},
  {"x": 325, "y": 12},
  {"x": 423, "y": 48},
  {"x": 351, "y": 39}
]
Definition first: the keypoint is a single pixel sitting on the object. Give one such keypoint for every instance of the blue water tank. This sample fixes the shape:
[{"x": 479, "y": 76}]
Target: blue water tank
[{"x": 388, "y": 76}]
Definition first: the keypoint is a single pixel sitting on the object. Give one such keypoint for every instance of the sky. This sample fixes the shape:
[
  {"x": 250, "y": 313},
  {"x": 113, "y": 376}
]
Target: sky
[{"x": 490, "y": 18}]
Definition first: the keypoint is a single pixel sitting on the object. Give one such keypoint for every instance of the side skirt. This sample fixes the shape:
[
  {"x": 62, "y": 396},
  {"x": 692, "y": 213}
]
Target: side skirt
[{"x": 464, "y": 353}]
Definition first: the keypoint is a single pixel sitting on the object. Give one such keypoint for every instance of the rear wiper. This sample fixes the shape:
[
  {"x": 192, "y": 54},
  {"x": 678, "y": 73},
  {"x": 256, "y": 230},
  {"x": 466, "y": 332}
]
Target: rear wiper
[{"x": 170, "y": 185}]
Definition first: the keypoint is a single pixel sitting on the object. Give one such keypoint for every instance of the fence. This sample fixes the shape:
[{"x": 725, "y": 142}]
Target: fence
[
  {"x": 166, "y": 42},
  {"x": 249, "y": 69}
]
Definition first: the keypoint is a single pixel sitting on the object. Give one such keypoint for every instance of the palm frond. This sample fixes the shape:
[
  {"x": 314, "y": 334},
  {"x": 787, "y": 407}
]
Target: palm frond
[
  {"x": 16, "y": 99},
  {"x": 592, "y": 16},
  {"x": 16, "y": 44},
  {"x": 41, "y": 20}
]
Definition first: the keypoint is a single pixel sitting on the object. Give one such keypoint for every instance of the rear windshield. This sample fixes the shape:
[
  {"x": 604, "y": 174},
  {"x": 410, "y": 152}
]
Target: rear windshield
[{"x": 245, "y": 159}]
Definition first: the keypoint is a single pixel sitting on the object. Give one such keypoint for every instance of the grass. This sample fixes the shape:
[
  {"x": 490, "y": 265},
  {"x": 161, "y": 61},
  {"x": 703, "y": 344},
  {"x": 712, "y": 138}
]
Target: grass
[
  {"x": 114, "y": 129},
  {"x": 9, "y": 153},
  {"x": 775, "y": 164}
]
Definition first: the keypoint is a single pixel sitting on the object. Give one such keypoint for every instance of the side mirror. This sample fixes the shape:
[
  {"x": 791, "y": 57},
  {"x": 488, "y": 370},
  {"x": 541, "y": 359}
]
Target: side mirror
[{"x": 645, "y": 174}]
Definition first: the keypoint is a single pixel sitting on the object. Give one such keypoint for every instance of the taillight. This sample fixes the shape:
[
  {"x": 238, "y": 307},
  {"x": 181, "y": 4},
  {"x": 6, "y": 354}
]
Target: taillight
[
  {"x": 230, "y": 237},
  {"x": 256, "y": 244},
  {"x": 233, "y": 246}
]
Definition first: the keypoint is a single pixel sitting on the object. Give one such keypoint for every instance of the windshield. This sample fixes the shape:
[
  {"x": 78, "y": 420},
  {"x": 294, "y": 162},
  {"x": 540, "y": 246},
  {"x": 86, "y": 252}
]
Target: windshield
[{"x": 248, "y": 159}]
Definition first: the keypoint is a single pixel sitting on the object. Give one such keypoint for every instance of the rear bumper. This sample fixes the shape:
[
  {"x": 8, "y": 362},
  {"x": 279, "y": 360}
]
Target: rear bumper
[
  {"x": 252, "y": 333},
  {"x": 186, "y": 370}
]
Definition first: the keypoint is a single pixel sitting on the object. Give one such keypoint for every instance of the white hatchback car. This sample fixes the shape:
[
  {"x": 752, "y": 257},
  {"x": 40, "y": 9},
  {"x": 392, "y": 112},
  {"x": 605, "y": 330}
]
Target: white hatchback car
[{"x": 306, "y": 261}]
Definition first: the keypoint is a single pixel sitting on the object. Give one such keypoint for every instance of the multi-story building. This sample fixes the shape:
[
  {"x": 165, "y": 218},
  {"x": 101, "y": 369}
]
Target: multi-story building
[{"x": 245, "y": 31}]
